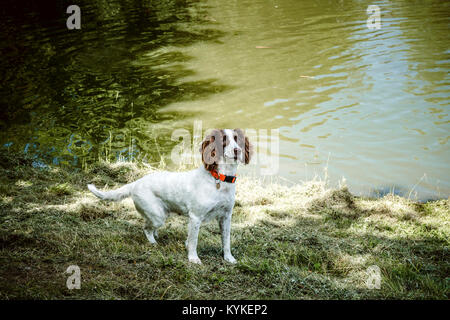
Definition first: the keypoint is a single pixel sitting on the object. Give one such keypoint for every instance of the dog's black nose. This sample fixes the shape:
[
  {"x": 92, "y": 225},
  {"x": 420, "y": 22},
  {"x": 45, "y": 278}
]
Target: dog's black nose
[{"x": 237, "y": 151}]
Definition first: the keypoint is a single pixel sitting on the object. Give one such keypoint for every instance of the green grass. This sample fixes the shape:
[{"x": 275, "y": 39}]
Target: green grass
[{"x": 305, "y": 241}]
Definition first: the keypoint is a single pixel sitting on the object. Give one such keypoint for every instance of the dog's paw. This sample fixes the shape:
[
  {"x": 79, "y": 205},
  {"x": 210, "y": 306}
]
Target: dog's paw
[
  {"x": 230, "y": 259},
  {"x": 195, "y": 260}
]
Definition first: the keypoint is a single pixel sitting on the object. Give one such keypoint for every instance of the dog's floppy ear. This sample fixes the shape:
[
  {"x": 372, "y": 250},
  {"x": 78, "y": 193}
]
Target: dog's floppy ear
[
  {"x": 244, "y": 143},
  {"x": 211, "y": 149}
]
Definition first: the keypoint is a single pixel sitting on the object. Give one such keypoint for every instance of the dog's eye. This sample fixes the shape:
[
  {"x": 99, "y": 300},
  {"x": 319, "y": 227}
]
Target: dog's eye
[
  {"x": 224, "y": 139},
  {"x": 235, "y": 138}
]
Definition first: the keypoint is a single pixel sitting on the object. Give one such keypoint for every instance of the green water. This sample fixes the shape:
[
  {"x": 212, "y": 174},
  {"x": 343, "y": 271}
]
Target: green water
[{"x": 370, "y": 105}]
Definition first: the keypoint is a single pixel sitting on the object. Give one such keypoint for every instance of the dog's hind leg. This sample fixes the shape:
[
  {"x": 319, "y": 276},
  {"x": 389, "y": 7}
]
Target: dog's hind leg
[
  {"x": 150, "y": 232},
  {"x": 151, "y": 208},
  {"x": 152, "y": 225}
]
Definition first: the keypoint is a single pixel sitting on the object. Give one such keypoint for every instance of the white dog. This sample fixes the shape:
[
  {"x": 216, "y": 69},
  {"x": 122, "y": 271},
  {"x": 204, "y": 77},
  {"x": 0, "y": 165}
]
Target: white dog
[{"x": 204, "y": 193}]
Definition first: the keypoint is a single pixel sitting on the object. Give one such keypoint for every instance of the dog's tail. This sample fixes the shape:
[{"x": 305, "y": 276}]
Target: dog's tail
[{"x": 113, "y": 195}]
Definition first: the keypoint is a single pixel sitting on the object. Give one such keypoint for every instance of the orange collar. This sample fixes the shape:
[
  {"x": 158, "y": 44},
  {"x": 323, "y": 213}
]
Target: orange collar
[{"x": 222, "y": 177}]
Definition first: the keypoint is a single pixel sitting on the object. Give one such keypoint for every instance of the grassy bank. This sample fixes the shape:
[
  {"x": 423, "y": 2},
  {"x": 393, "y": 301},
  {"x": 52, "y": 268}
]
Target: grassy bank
[{"x": 300, "y": 242}]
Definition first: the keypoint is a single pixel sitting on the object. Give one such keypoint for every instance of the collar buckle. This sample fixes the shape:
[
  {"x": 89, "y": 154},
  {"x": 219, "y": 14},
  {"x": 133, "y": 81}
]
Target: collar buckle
[{"x": 223, "y": 177}]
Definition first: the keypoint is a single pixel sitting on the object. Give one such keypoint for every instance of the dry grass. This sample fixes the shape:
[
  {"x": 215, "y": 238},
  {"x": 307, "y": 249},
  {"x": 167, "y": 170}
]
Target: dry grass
[{"x": 300, "y": 242}]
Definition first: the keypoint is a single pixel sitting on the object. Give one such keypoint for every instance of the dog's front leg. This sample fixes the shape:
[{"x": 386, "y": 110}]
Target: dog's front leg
[
  {"x": 225, "y": 227},
  {"x": 193, "y": 228}
]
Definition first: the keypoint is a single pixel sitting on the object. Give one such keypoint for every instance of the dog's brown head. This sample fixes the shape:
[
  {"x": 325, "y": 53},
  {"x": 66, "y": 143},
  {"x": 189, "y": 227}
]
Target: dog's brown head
[{"x": 225, "y": 145}]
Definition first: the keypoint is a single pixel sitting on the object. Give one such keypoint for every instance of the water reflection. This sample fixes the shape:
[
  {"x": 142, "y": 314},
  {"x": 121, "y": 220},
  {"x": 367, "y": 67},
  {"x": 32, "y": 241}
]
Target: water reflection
[
  {"x": 339, "y": 92},
  {"x": 73, "y": 96}
]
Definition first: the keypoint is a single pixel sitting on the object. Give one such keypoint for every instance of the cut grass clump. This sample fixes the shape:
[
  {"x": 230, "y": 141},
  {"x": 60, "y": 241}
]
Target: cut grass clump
[
  {"x": 89, "y": 212},
  {"x": 119, "y": 172},
  {"x": 305, "y": 241},
  {"x": 315, "y": 257},
  {"x": 61, "y": 189},
  {"x": 336, "y": 204},
  {"x": 257, "y": 267}
]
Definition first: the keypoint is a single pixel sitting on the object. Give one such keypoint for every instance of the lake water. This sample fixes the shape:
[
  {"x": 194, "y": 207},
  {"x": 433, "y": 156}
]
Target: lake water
[{"x": 370, "y": 105}]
